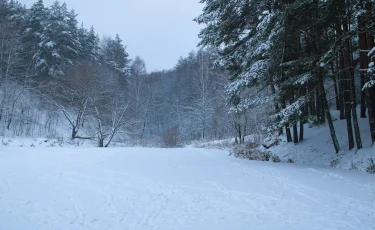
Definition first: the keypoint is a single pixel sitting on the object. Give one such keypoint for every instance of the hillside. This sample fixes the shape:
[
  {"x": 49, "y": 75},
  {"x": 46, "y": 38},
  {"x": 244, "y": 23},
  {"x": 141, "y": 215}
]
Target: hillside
[{"x": 317, "y": 148}]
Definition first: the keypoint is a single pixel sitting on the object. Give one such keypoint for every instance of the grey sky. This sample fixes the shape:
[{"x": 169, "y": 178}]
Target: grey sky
[{"x": 160, "y": 31}]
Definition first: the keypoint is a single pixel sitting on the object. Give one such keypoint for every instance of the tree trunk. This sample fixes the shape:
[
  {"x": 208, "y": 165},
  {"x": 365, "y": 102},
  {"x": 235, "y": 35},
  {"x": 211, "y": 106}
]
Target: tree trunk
[
  {"x": 370, "y": 98},
  {"x": 287, "y": 129},
  {"x": 322, "y": 116},
  {"x": 334, "y": 81},
  {"x": 275, "y": 102},
  {"x": 318, "y": 106},
  {"x": 74, "y": 133},
  {"x": 344, "y": 73},
  {"x": 295, "y": 129},
  {"x": 332, "y": 130},
  {"x": 301, "y": 136},
  {"x": 288, "y": 134},
  {"x": 320, "y": 109},
  {"x": 370, "y": 92},
  {"x": 239, "y": 133},
  {"x": 363, "y": 60},
  {"x": 341, "y": 69},
  {"x": 328, "y": 113},
  {"x": 101, "y": 142},
  {"x": 351, "y": 103},
  {"x": 356, "y": 128},
  {"x": 349, "y": 125},
  {"x": 303, "y": 116},
  {"x": 311, "y": 102},
  {"x": 295, "y": 134}
]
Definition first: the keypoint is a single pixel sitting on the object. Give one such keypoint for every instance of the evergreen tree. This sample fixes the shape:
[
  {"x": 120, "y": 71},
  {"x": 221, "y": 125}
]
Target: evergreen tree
[
  {"x": 283, "y": 45},
  {"x": 90, "y": 43},
  {"x": 115, "y": 56},
  {"x": 34, "y": 35},
  {"x": 60, "y": 46}
]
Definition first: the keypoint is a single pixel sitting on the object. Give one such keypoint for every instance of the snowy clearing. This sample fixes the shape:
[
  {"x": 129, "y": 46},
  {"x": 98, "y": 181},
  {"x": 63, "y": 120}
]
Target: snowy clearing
[{"x": 135, "y": 188}]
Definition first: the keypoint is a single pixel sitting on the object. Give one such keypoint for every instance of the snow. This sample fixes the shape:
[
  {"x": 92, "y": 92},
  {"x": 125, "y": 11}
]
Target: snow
[
  {"x": 317, "y": 148},
  {"x": 41, "y": 62},
  {"x": 368, "y": 84},
  {"x": 303, "y": 79},
  {"x": 135, "y": 188},
  {"x": 256, "y": 71},
  {"x": 371, "y": 52},
  {"x": 50, "y": 44}
]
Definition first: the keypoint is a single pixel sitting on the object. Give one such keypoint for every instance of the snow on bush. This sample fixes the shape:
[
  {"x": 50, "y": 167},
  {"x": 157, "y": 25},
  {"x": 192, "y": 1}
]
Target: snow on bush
[
  {"x": 371, "y": 167},
  {"x": 250, "y": 151}
]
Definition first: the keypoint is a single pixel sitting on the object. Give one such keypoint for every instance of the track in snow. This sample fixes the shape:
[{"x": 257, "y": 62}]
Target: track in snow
[{"x": 136, "y": 189}]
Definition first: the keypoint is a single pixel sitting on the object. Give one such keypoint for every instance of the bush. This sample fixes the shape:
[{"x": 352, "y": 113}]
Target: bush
[
  {"x": 171, "y": 137},
  {"x": 5, "y": 143},
  {"x": 275, "y": 158},
  {"x": 335, "y": 162},
  {"x": 354, "y": 166},
  {"x": 250, "y": 152},
  {"x": 371, "y": 167},
  {"x": 290, "y": 161}
]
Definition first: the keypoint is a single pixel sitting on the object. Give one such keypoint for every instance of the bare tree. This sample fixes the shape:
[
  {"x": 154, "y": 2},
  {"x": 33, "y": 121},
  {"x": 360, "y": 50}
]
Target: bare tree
[
  {"x": 108, "y": 107},
  {"x": 109, "y": 118},
  {"x": 71, "y": 95}
]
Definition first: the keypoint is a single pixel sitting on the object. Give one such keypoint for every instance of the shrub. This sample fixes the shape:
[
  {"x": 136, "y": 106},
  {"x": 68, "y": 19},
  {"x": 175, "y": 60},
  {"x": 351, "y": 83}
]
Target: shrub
[
  {"x": 250, "y": 152},
  {"x": 335, "y": 162},
  {"x": 171, "y": 137},
  {"x": 354, "y": 166},
  {"x": 371, "y": 167},
  {"x": 290, "y": 161},
  {"x": 275, "y": 158},
  {"x": 252, "y": 145},
  {"x": 5, "y": 143}
]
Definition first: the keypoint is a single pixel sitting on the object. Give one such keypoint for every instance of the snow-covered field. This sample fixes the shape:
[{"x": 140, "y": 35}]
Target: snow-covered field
[{"x": 135, "y": 188}]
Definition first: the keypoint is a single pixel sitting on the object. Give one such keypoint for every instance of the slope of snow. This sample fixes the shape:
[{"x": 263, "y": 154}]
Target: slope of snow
[
  {"x": 184, "y": 189},
  {"x": 317, "y": 148}
]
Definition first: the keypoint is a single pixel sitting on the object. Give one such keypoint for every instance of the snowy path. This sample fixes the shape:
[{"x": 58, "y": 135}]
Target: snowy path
[{"x": 182, "y": 189}]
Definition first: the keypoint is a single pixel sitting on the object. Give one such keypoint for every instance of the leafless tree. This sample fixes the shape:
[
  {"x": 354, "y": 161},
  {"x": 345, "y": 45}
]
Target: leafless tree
[{"x": 71, "y": 94}]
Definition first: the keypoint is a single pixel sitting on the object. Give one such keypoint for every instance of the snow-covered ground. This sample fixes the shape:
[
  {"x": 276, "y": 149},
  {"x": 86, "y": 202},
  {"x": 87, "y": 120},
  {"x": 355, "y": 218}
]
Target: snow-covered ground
[
  {"x": 317, "y": 148},
  {"x": 135, "y": 188},
  {"x": 51, "y": 143}
]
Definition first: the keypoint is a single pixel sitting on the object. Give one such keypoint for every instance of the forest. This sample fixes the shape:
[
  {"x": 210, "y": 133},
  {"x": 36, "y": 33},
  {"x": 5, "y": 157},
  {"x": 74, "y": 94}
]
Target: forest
[
  {"x": 55, "y": 72},
  {"x": 262, "y": 68},
  {"x": 303, "y": 57}
]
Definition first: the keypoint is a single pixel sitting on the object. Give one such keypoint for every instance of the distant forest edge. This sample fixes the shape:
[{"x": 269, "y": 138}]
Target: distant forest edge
[{"x": 55, "y": 72}]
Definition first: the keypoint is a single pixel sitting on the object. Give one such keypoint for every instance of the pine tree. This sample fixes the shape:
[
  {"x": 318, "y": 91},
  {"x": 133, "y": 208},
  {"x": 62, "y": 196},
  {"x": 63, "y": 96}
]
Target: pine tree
[
  {"x": 367, "y": 52},
  {"x": 59, "y": 46},
  {"x": 115, "y": 56},
  {"x": 34, "y": 35},
  {"x": 280, "y": 43},
  {"x": 90, "y": 44}
]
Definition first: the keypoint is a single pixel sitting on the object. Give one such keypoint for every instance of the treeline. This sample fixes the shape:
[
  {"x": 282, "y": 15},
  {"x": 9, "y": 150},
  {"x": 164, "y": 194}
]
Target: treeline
[
  {"x": 189, "y": 103},
  {"x": 181, "y": 105},
  {"x": 293, "y": 53},
  {"x": 57, "y": 76}
]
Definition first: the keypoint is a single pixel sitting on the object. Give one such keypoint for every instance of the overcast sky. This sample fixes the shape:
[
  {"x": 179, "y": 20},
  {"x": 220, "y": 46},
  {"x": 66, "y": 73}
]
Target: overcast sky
[{"x": 160, "y": 31}]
